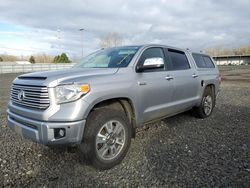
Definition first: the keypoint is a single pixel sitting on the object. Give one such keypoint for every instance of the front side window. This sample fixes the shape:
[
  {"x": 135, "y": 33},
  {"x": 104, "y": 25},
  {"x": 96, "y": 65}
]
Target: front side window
[
  {"x": 109, "y": 58},
  {"x": 152, "y": 56},
  {"x": 178, "y": 59}
]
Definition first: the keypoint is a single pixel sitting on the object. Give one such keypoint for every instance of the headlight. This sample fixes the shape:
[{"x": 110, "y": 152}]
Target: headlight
[{"x": 70, "y": 92}]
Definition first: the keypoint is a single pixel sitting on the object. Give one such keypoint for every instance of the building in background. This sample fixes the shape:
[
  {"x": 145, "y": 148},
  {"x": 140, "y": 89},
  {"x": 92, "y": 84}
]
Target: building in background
[{"x": 232, "y": 60}]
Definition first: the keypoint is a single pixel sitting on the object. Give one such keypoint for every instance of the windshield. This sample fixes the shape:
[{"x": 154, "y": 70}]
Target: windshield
[{"x": 109, "y": 58}]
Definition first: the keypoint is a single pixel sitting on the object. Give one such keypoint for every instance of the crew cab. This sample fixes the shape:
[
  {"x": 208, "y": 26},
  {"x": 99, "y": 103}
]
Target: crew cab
[{"x": 98, "y": 104}]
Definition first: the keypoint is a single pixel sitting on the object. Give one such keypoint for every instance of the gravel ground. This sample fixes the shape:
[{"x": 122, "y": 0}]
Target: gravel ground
[{"x": 181, "y": 151}]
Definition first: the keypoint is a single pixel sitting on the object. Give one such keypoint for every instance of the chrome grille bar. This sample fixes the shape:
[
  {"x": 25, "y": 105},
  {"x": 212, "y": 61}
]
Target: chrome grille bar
[{"x": 34, "y": 96}]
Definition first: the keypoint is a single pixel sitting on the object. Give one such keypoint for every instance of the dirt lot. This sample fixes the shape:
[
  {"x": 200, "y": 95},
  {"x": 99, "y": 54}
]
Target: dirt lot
[
  {"x": 236, "y": 75},
  {"x": 181, "y": 151}
]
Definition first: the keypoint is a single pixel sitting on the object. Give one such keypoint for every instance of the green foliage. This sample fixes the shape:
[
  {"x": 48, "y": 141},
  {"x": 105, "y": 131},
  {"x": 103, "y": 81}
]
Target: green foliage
[
  {"x": 32, "y": 59},
  {"x": 56, "y": 59},
  {"x": 1, "y": 59},
  {"x": 63, "y": 58}
]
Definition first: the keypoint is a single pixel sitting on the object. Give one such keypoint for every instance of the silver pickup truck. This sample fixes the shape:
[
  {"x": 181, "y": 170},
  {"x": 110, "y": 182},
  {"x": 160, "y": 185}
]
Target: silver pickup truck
[{"x": 98, "y": 104}]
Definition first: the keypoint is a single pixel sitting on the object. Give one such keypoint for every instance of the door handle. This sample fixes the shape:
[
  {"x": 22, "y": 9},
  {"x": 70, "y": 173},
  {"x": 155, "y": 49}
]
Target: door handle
[
  {"x": 194, "y": 75},
  {"x": 169, "y": 78},
  {"x": 142, "y": 83}
]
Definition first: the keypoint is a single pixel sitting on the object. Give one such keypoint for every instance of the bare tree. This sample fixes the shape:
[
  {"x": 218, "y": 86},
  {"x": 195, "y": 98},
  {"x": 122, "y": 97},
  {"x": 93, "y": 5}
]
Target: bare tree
[
  {"x": 6, "y": 57},
  {"x": 111, "y": 40},
  {"x": 218, "y": 51},
  {"x": 43, "y": 58}
]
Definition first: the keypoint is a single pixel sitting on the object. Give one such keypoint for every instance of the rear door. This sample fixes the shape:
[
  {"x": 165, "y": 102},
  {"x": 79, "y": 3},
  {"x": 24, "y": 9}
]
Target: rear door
[
  {"x": 186, "y": 81},
  {"x": 154, "y": 90},
  {"x": 207, "y": 70}
]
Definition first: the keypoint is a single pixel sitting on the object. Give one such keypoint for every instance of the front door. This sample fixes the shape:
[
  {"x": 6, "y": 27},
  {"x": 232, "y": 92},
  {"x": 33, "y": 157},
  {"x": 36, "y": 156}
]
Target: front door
[{"x": 155, "y": 89}]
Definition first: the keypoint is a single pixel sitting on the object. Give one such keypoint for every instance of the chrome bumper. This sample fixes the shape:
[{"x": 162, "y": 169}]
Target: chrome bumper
[{"x": 43, "y": 132}]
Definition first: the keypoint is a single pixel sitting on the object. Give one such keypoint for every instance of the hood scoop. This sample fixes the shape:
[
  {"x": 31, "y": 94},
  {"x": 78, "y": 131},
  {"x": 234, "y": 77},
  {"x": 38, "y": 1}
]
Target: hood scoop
[{"x": 32, "y": 77}]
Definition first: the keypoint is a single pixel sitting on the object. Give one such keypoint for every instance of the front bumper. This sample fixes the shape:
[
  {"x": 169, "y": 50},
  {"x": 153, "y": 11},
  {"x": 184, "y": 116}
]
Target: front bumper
[{"x": 43, "y": 132}]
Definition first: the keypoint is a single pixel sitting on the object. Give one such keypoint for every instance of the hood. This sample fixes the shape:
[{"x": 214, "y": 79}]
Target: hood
[{"x": 53, "y": 78}]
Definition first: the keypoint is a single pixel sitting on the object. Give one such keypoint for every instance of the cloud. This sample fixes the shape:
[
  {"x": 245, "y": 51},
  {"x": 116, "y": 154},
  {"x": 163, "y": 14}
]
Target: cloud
[{"x": 194, "y": 24}]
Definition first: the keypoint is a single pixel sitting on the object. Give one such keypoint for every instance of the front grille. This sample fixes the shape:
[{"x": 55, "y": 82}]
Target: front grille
[{"x": 30, "y": 96}]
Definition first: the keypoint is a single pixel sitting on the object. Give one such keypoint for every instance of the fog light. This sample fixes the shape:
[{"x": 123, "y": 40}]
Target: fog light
[{"x": 59, "y": 133}]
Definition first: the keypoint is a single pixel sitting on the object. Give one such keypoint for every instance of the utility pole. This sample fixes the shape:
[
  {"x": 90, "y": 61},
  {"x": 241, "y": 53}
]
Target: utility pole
[
  {"x": 81, "y": 29},
  {"x": 59, "y": 40}
]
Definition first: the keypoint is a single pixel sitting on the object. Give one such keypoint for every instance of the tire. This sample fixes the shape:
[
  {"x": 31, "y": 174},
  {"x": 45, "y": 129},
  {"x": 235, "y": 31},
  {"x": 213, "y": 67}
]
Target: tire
[
  {"x": 106, "y": 138},
  {"x": 207, "y": 104}
]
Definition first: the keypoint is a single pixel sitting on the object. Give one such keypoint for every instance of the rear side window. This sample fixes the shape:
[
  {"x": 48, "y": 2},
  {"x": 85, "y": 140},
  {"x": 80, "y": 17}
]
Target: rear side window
[
  {"x": 199, "y": 61},
  {"x": 208, "y": 62},
  {"x": 178, "y": 59},
  {"x": 203, "y": 61}
]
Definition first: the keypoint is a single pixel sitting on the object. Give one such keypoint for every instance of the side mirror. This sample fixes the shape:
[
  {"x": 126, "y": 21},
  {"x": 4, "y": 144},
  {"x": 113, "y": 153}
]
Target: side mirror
[{"x": 151, "y": 63}]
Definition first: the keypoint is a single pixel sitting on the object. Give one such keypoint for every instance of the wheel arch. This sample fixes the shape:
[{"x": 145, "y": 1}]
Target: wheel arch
[
  {"x": 121, "y": 103},
  {"x": 211, "y": 86}
]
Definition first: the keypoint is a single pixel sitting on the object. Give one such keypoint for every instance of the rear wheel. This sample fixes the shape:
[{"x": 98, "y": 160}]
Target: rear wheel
[
  {"x": 106, "y": 138},
  {"x": 207, "y": 104}
]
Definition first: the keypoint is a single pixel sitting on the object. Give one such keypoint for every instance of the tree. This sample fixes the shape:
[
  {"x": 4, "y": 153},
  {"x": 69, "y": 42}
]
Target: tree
[
  {"x": 6, "y": 57},
  {"x": 63, "y": 58},
  {"x": 56, "y": 59},
  {"x": 219, "y": 51},
  {"x": 32, "y": 59},
  {"x": 43, "y": 58},
  {"x": 1, "y": 59},
  {"x": 111, "y": 40}
]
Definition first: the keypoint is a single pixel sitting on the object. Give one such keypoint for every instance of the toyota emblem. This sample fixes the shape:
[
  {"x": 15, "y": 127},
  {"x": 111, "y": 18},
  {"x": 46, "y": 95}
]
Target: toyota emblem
[{"x": 21, "y": 95}]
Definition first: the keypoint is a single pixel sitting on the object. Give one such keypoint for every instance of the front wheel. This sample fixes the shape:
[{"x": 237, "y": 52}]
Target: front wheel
[
  {"x": 207, "y": 104},
  {"x": 106, "y": 138}
]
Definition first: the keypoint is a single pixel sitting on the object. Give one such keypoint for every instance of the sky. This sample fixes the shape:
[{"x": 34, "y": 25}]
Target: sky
[{"x": 51, "y": 27}]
